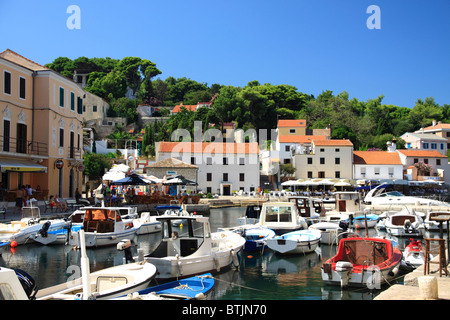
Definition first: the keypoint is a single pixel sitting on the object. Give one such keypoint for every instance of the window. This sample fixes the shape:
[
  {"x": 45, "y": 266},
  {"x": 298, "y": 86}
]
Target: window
[
  {"x": 321, "y": 174},
  {"x": 337, "y": 150},
  {"x": 61, "y": 97},
  {"x": 322, "y": 149},
  {"x": 6, "y": 135},
  {"x": 72, "y": 101},
  {"x": 438, "y": 162},
  {"x": 292, "y": 131},
  {"x": 337, "y": 174},
  {"x": 287, "y": 148},
  {"x": 225, "y": 177},
  {"x": 425, "y": 161},
  {"x": 208, "y": 190},
  {"x": 310, "y": 160},
  {"x": 425, "y": 145},
  {"x": 94, "y": 108},
  {"x": 241, "y": 176},
  {"x": 434, "y": 146},
  {"x": 7, "y": 82},
  {"x": 416, "y": 160},
  {"x": 442, "y": 146},
  {"x": 21, "y": 144},
  {"x": 61, "y": 137},
  {"x": 391, "y": 171},
  {"x": 377, "y": 171},
  {"x": 225, "y": 161},
  {"x": 22, "y": 90},
  {"x": 322, "y": 160},
  {"x": 209, "y": 161},
  {"x": 192, "y": 160},
  {"x": 310, "y": 175},
  {"x": 337, "y": 160},
  {"x": 287, "y": 161},
  {"x": 241, "y": 161},
  {"x": 363, "y": 172},
  {"x": 209, "y": 177}
]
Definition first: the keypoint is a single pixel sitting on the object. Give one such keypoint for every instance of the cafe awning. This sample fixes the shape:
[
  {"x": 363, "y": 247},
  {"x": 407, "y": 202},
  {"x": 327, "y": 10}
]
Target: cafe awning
[{"x": 9, "y": 165}]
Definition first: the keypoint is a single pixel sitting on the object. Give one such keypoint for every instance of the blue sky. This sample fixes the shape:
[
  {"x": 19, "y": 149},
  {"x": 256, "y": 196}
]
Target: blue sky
[{"x": 314, "y": 45}]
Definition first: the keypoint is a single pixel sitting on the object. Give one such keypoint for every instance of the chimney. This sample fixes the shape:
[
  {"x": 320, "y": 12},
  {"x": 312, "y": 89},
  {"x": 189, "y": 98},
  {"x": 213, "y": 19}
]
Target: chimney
[{"x": 434, "y": 123}]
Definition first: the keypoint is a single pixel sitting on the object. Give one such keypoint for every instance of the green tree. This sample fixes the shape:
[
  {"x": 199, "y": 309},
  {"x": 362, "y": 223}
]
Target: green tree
[{"x": 96, "y": 165}]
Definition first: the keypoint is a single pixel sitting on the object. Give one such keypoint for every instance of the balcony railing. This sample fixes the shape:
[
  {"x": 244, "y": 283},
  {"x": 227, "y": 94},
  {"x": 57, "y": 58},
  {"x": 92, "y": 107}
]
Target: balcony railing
[{"x": 24, "y": 146}]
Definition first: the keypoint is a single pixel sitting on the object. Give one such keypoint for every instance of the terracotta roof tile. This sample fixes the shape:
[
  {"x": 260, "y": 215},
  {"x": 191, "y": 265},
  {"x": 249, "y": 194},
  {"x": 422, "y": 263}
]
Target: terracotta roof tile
[
  {"x": 187, "y": 107},
  {"x": 16, "y": 58},
  {"x": 299, "y": 139},
  {"x": 422, "y": 153},
  {"x": 291, "y": 123},
  {"x": 171, "y": 163},
  {"x": 376, "y": 157},
  {"x": 334, "y": 142}
]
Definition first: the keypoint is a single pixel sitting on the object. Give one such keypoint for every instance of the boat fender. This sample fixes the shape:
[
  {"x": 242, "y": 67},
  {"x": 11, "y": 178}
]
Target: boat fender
[
  {"x": 342, "y": 266},
  {"x": 393, "y": 272},
  {"x": 235, "y": 259}
]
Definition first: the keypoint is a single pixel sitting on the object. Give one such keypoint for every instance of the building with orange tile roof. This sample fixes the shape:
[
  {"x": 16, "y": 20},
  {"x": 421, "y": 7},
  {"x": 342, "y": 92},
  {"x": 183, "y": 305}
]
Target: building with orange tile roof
[{"x": 376, "y": 165}]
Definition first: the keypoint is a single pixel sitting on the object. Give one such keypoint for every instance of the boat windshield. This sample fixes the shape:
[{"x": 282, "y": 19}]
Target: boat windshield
[
  {"x": 392, "y": 194},
  {"x": 278, "y": 214},
  {"x": 30, "y": 212},
  {"x": 182, "y": 228}
]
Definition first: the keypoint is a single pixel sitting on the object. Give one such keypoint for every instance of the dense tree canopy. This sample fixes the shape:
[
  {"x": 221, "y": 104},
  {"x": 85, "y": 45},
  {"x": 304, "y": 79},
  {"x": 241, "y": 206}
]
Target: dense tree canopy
[{"x": 368, "y": 124}]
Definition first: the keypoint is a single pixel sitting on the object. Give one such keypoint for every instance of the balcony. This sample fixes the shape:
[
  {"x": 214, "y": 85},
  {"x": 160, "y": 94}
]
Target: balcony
[{"x": 22, "y": 146}]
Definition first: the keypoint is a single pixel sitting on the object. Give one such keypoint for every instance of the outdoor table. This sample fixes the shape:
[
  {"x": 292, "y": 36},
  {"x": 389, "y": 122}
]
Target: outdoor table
[{"x": 441, "y": 219}]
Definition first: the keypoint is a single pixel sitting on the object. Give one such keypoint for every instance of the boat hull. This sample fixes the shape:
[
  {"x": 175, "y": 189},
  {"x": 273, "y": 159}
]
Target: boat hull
[
  {"x": 304, "y": 241},
  {"x": 95, "y": 239}
]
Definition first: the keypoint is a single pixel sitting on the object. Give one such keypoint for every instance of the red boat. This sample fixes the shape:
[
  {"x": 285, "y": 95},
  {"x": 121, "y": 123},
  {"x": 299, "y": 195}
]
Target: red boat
[{"x": 362, "y": 262}]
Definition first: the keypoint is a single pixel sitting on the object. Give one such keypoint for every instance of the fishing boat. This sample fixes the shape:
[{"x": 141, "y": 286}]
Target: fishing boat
[
  {"x": 104, "y": 226},
  {"x": 308, "y": 207},
  {"x": 404, "y": 224},
  {"x": 281, "y": 217},
  {"x": 330, "y": 232},
  {"x": 193, "y": 288},
  {"x": 103, "y": 284},
  {"x": 348, "y": 203},
  {"x": 296, "y": 242},
  {"x": 362, "y": 262},
  {"x": 252, "y": 213},
  {"x": 188, "y": 247},
  {"x": 414, "y": 254},
  {"x": 30, "y": 223}
]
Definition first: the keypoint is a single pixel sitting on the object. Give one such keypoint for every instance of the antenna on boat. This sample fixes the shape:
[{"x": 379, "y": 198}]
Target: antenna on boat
[{"x": 85, "y": 272}]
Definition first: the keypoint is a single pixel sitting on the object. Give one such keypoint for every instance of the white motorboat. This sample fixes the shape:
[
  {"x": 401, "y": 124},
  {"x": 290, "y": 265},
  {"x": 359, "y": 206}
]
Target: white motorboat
[
  {"x": 188, "y": 247},
  {"x": 362, "y": 262},
  {"x": 281, "y": 217},
  {"x": 347, "y": 203},
  {"x": 103, "y": 284},
  {"x": 295, "y": 242},
  {"x": 308, "y": 207},
  {"x": 252, "y": 213},
  {"x": 432, "y": 225},
  {"x": 330, "y": 232},
  {"x": 146, "y": 224},
  {"x": 55, "y": 237},
  {"x": 16, "y": 285},
  {"x": 363, "y": 221},
  {"x": 379, "y": 196},
  {"x": 405, "y": 223},
  {"x": 104, "y": 226},
  {"x": 21, "y": 231}
]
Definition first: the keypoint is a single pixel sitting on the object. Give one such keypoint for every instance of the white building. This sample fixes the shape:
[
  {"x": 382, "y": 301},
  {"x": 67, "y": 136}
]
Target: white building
[
  {"x": 377, "y": 165},
  {"x": 222, "y": 167}
]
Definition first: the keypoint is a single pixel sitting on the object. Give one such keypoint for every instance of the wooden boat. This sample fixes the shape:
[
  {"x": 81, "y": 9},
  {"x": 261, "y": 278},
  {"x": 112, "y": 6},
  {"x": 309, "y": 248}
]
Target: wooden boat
[
  {"x": 103, "y": 284},
  {"x": 362, "y": 262},
  {"x": 104, "y": 226},
  {"x": 295, "y": 242},
  {"x": 188, "y": 247},
  {"x": 281, "y": 217},
  {"x": 193, "y": 288}
]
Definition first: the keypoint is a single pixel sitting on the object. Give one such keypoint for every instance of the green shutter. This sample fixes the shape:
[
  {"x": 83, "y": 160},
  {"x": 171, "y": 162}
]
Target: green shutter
[
  {"x": 61, "y": 97},
  {"x": 72, "y": 101}
]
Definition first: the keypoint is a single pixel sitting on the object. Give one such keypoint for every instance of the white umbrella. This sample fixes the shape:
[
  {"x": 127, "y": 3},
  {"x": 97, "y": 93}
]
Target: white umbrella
[
  {"x": 291, "y": 183},
  {"x": 342, "y": 184},
  {"x": 113, "y": 175}
]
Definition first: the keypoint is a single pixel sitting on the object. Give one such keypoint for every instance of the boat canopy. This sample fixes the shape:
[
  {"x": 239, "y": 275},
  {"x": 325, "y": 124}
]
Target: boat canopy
[{"x": 102, "y": 214}]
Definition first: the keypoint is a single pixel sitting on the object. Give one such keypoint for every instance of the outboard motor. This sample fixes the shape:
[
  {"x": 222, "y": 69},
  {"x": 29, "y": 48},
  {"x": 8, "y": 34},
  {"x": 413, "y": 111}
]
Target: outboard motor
[
  {"x": 344, "y": 226},
  {"x": 44, "y": 230},
  {"x": 28, "y": 283},
  {"x": 125, "y": 245}
]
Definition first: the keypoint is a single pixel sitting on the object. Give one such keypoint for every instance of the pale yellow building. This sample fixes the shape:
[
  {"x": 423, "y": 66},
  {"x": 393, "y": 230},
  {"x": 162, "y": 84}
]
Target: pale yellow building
[
  {"x": 291, "y": 127},
  {"x": 41, "y": 127}
]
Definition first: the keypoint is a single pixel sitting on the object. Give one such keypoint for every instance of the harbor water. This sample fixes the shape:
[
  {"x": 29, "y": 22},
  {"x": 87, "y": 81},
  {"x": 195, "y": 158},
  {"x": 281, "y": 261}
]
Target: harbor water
[{"x": 261, "y": 276}]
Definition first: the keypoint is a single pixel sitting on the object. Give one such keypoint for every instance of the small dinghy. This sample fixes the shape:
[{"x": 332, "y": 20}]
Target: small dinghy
[
  {"x": 256, "y": 238},
  {"x": 362, "y": 262},
  {"x": 302, "y": 241},
  {"x": 330, "y": 232},
  {"x": 361, "y": 221},
  {"x": 193, "y": 288}
]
